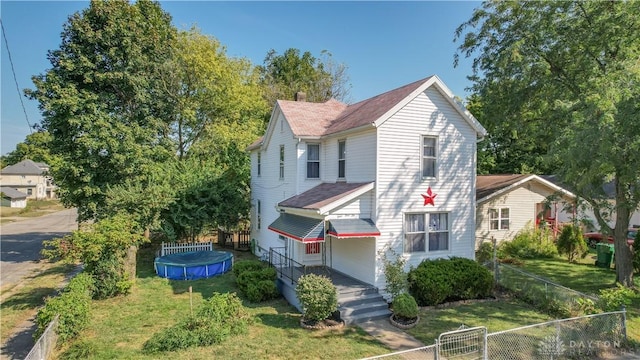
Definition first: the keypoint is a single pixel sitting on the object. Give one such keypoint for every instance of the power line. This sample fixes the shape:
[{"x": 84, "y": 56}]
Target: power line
[{"x": 15, "y": 79}]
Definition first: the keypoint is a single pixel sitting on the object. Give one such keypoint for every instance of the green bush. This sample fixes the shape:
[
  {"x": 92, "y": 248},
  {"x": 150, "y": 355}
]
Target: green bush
[
  {"x": 436, "y": 281},
  {"x": 613, "y": 299},
  {"x": 405, "y": 306},
  {"x": 72, "y": 305},
  {"x": 395, "y": 277},
  {"x": 219, "y": 317},
  {"x": 484, "y": 253},
  {"x": 529, "y": 243},
  {"x": 571, "y": 243},
  {"x": 109, "y": 277},
  {"x": 257, "y": 283},
  {"x": 247, "y": 265},
  {"x": 318, "y": 296}
]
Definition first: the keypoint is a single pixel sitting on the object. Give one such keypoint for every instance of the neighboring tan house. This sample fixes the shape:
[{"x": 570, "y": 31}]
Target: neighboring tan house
[
  {"x": 30, "y": 178},
  {"x": 333, "y": 184},
  {"x": 507, "y": 204},
  {"x": 12, "y": 198}
]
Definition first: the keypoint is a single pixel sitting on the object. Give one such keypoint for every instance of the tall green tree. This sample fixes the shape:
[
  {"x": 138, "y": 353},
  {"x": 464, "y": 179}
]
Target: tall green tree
[
  {"x": 102, "y": 101},
  {"x": 319, "y": 78},
  {"x": 561, "y": 79},
  {"x": 34, "y": 147}
]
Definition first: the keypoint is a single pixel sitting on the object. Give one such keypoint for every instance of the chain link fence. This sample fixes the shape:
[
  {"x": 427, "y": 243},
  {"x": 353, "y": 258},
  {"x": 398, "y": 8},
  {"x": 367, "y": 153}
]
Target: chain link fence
[
  {"x": 598, "y": 336},
  {"x": 43, "y": 348}
]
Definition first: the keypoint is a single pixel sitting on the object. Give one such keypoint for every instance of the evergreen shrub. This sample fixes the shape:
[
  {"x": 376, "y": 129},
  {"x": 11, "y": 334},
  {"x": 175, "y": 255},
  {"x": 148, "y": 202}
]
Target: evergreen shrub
[{"x": 318, "y": 296}]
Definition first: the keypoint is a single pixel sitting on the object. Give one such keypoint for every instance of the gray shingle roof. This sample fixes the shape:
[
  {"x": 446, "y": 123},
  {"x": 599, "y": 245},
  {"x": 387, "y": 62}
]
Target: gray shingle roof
[
  {"x": 321, "y": 195},
  {"x": 24, "y": 167},
  {"x": 12, "y": 193}
]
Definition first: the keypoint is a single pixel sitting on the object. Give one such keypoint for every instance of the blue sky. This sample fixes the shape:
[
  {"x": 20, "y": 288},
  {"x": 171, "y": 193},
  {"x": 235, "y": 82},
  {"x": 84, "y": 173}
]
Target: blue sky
[{"x": 384, "y": 44}]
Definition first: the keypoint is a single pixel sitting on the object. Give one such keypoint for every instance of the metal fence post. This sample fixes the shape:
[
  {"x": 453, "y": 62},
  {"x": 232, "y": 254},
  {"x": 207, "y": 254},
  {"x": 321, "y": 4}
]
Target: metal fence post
[
  {"x": 496, "y": 273},
  {"x": 624, "y": 321}
]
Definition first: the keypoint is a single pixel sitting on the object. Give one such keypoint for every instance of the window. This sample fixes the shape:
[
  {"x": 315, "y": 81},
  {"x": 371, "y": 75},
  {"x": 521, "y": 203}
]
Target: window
[
  {"x": 429, "y": 156},
  {"x": 342, "y": 158},
  {"x": 499, "y": 219},
  {"x": 313, "y": 161},
  {"x": 426, "y": 232},
  {"x": 281, "y": 161},
  {"x": 29, "y": 191},
  {"x": 259, "y": 215},
  {"x": 259, "y": 163},
  {"x": 312, "y": 248}
]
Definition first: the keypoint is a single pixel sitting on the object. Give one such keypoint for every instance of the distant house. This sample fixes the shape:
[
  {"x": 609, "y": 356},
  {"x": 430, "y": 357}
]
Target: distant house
[
  {"x": 333, "y": 184},
  {"x": 30, "y": 178},
  {"x": 12, "y": 198},
  {"x": 507, "y": 204}
]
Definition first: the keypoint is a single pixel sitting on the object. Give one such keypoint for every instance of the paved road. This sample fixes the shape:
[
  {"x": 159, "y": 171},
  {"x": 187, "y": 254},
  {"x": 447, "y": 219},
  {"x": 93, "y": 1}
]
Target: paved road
[{"x": 21, "y": 242}]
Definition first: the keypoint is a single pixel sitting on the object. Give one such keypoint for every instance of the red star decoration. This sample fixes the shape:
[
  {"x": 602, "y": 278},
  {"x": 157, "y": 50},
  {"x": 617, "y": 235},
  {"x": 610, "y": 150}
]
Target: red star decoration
[{"x": 428, "y": 198}]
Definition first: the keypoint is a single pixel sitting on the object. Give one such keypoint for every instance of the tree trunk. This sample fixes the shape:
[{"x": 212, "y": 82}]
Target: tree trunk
[{"x": 623, "y": 254}]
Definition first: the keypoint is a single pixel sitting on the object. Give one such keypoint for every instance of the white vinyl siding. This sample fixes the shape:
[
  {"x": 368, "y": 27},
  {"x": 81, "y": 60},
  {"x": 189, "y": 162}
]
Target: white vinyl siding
[{"x": 399, "y": 182}]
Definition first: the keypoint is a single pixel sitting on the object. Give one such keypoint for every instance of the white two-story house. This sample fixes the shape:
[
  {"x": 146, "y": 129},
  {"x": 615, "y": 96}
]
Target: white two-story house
[{"x": 333, "y": 184}]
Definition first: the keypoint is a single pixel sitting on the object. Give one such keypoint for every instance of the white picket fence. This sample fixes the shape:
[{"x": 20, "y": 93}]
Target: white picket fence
[{"x": 174, "y": 248}]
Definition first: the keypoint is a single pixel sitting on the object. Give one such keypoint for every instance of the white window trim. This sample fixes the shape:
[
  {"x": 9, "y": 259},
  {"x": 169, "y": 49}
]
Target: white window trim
[
  {"x": 422, "y": 156},
  {"x": 342, "y": 159},
  {"x": 281, "y": 159},
  {"x": 500, "y": 219},
  {"x": 259, "y": 169},
  {"x": 314, "y": 161},
  {"x": 426, "y": 232},
  {"x": 259, "y": 215}
]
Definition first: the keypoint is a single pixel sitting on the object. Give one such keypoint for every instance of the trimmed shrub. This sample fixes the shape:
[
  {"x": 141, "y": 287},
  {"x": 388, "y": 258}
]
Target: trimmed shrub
[
  {"x": 257, "y": 283},
  {"x": 571, "y": 243},
  {"x": 318, "y": 296},
  {"x": 405, "y": 306},
  {"x": 247, "y": 265},
  {"x": 484, "y": 253},
  {"x": 436, "y": 281},
  {"x": 219, "y": 317},
  {"x": 72, "y": 305}
]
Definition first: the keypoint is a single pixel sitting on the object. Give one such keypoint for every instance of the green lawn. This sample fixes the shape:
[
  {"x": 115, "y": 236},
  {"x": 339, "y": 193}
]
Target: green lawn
[
  {"x": 587, "y": 278},
  {"x": 119, "y": 327}
]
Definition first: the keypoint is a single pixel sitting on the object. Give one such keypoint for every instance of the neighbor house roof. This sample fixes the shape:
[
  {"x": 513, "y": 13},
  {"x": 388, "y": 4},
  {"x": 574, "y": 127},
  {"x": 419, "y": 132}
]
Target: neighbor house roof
[
  {"x": 12, "y": 193},
  {"x": 315, "y": 120},
  {"x": 489, "y": 186},
  {"x": 24, "y": 167}
]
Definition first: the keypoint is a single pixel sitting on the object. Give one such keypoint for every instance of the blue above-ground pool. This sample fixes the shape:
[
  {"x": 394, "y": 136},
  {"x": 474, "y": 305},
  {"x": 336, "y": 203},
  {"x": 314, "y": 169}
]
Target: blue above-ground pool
[{"x": 193, "y": 265}]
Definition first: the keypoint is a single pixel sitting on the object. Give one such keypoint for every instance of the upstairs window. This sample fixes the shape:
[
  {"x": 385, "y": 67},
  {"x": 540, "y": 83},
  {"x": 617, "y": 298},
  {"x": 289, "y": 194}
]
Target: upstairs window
[
  {"x": 429, "y": 156},
  {"x": 259, "y": 215},
  {"x": 281, "y": 162},
  {"x": 313, "y": 161},
  {"x": 426, "y": 232},
  {"x": 259, "y": 163},
  {"x": 342, "y": 159},
  {"x": 499, "y": 219}
]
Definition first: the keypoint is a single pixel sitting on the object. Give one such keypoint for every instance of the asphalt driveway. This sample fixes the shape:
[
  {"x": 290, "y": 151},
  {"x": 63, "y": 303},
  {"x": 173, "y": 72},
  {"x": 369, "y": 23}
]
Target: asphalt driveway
[{"x": 21, "y": 242}]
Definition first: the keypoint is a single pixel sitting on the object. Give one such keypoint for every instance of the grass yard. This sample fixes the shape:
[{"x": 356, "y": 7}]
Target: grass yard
[
  {"x": 19, "y": 302},
  {"x": 587, "y": 278}
]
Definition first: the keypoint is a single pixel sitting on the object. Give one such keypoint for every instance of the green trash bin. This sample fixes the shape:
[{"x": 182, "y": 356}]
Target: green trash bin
[{"x": 604, "y": 255}]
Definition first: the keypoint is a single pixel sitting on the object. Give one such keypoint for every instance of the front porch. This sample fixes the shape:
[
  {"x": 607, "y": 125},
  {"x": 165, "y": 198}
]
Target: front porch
[{"x": 357, "y": 301}]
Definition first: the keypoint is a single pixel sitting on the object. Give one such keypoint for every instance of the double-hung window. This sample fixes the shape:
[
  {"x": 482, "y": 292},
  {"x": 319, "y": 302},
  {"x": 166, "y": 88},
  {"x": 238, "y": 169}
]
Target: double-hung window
[
  {"x": 499, "y": 219},
  {"x": 259, "y": 215},
  {"x": 313, "y": 161},
  {"x": 281, "y": 162},
  {"x": 342, "y": 159},
  {"x": 429, "y": 156},
  {"x": 426, "y": 232}
]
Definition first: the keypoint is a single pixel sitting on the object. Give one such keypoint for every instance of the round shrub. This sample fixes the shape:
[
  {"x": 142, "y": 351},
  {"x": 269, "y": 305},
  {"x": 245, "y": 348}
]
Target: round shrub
[
  {"x": 262, "y": 290},
  {"x": 247, "y": 265},
  {"x": 436, "y": 281},
  {"x": 571, "y": 243},
  {"x": 405, "y": 306},
  {"x": 318, "y": 296}
]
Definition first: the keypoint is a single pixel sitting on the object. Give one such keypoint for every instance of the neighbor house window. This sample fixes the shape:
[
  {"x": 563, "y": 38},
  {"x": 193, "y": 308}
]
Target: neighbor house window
[
  {"x": 312, "y": 248},
  {"x": 281, "y": 161},
  {"x": 29, "y": 191},
  {"x": 259, "y": 215},
  {"x": 342, "y": 159},
  {"x": 313, "y": 161},
  {"x": 426, "y": 232},
  {"x": 259, "y": 163},
  {"x": 499, "y": 219},
  {"x": 429, "y": 156}
]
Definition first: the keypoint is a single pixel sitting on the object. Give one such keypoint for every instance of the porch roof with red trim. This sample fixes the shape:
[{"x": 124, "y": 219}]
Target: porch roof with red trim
[{"x": 351, "y": 228}]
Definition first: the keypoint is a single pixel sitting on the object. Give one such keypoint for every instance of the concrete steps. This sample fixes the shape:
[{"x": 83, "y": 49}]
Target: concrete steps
[{"x": 358, "y": 305}]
